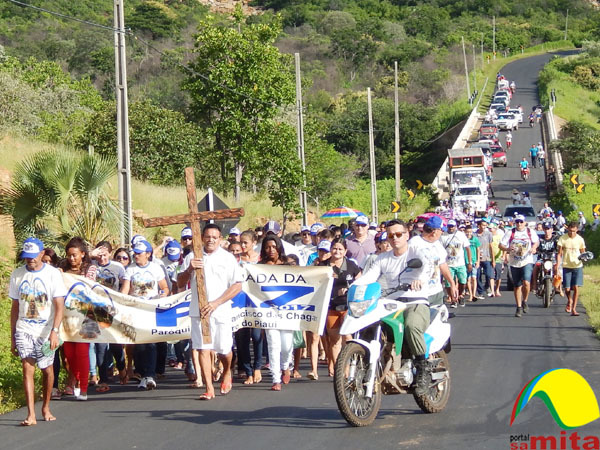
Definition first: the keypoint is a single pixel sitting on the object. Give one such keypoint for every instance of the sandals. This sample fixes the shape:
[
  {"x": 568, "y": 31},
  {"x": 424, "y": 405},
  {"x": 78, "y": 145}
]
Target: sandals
[
  {"x": 102, "y": 387},
  {"x": 574, "y": 313},
  {"x": 568, "y": 309},
  {"x": 195, "y": 385},
  {"x": 225, "y": 387},
  {"x": 68, "y": 391},
  {"x": 312, "y": 376},
  {"x": 297, "y": 374},
  {"x": 206, "y": 396},
  {"x": 56, "y": 394}
]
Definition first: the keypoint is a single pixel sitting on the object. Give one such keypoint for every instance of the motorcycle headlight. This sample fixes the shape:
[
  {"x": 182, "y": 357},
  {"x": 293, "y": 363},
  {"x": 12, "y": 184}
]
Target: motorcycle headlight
[
  {"x": 358, "y": 309},
  {"x": 547, "y": 265}
]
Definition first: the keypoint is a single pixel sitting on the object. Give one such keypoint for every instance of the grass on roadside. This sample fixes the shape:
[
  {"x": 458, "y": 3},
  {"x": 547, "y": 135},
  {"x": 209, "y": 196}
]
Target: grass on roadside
[{"x": 590, "y": 295}]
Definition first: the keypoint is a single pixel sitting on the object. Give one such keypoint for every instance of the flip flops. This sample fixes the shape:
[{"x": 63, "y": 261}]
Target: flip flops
[
  {"x": 225, "y": 387},
  {"x": 102, "y": 387},
  {"x": 206, "y": 396}
]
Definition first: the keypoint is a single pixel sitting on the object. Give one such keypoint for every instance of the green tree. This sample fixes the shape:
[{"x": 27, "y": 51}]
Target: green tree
[
  {"x": 58, "y": 195},
  {"x": 162, "y": 143},
  {"x": 579, "y": 147},
  {"x": 240, "y": 79}
]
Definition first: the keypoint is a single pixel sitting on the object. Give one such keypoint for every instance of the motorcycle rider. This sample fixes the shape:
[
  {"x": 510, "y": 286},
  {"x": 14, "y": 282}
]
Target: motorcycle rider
[
  {"x": 427, "y": 283},
  {"x": 524, "y": 165},
  {"x": 385, "y": 270},
  {"x": 546, "y": 249}
]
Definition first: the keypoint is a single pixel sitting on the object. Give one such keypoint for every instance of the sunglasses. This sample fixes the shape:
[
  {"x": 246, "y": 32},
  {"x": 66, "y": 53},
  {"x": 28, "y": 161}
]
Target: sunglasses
[
  {"x": 306, "y": 233},
  {"x": 360, "y": 224},
  {"x": 397, "y": 235},
  {"x": 519, "y": 221},
  {"x": 187, "y": 238},
  {"x": 121, "y": 258}
]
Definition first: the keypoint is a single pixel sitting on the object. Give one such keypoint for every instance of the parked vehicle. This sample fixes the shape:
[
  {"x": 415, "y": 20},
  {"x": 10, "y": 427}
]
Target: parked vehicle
[
  {"x": 499, "y": 158},
  {"x": 499, "y": 107},
  {"x": 507, "y": 122},
  {"x": 517, "y": 113},
  {"x": 488, "y": 131},
  {"x": 471, "y": 196},
  {"x": 376, "y": 362},
  {"x": 501, "y": 99}
]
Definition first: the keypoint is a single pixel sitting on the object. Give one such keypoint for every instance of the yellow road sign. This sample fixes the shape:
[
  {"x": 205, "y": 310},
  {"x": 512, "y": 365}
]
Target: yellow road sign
[
  {"x": 580, "y": 188},
  {"x": 419, "y": 185},
  {"x": 410, "y": 193},
  {"x": 575, "y": 179},
  {"x": 395, "y": 207},
  {"x": 596, "y": 208}
]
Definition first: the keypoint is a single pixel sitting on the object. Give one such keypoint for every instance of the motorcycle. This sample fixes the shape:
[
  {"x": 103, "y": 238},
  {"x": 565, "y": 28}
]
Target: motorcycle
[
  {"x": 525, "y": 173},
  {"x": 376, "y": 362},
  {"x": 545, "y": 276}
]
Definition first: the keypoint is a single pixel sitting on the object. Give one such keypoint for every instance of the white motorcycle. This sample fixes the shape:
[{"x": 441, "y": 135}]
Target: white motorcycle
[{"x": 375, "y": 362}]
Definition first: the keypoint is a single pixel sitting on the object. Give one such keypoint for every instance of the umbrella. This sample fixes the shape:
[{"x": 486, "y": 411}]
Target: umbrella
[
  {"x": 342, "y": 213},
  {"x": 430, "y": 214}
]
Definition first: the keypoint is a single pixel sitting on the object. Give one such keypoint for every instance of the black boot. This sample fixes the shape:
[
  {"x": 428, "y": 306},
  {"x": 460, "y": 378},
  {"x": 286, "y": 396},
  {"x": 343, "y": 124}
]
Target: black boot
[{"x": 423, "y": 378}]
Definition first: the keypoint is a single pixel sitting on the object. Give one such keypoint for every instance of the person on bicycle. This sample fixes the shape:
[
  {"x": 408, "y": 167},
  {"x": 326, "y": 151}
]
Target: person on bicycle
[
  {"x": 547, "y": 249},
  {"x": 508, "y": 140}
]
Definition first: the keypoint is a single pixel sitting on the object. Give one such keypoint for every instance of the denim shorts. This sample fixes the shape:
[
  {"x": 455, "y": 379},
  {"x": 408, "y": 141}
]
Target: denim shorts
[
  {"x": 473, "y": 272},
  {"x": 572, "y": 277},
  {"x": 498, "y": 270},
  {"x": 520, "y": 274}
]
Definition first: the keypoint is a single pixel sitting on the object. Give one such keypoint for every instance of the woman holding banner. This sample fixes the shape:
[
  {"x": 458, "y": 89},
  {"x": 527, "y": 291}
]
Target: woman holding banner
[{"x": 280, "y": 342}]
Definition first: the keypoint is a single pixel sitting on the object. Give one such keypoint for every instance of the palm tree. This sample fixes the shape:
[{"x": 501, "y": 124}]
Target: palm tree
[{"x": 57, "y": 195}]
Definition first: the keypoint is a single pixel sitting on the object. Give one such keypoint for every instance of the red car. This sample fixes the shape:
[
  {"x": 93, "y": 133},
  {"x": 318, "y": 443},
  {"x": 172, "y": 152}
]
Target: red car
[{"x": 499, "y": 157}]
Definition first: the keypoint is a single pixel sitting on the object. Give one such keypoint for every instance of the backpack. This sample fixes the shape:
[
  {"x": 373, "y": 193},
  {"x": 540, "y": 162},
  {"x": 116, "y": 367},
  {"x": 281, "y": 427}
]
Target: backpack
[{"x": 512, "y": 235}]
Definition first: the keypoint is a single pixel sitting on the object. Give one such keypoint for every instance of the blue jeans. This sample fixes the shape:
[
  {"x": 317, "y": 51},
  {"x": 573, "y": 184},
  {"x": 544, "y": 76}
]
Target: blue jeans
[
  {"x": 145, "y": 359},
  {"x": 484, "y": 274},
  {"x": 242, "y": 341}
]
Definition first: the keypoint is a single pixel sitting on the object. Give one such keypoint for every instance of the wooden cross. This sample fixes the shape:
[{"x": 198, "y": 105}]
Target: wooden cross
[{"x": 194, "y": 218}]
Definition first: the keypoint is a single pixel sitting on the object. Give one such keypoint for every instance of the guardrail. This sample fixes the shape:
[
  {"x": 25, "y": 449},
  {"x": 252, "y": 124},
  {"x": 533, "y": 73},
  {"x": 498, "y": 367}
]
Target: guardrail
[
  {"x": 555, "y": 155},
  {"x": 441, "y": 181}
]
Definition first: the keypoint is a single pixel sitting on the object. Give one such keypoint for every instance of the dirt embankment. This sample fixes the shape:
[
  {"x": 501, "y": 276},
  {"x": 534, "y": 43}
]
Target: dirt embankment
[{"x": 228, "y": 6}]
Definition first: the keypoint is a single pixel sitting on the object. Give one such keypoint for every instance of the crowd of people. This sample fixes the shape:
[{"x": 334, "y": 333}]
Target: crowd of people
[{"x": 468, "y": 256}]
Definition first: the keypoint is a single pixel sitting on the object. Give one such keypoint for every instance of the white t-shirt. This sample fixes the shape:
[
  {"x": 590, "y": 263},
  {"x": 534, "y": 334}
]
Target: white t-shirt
[
  {"x": 35, "y": 290},
  {"x": 144, "y": 280},
  {"x": 221, "y": 271},
  {"x": 385, "y": 270},
  {"x": 432, "y": 254},
  {"x": 305, "y": 250},
  {"x": 519, "y": 250},
  {"x": 173, "y": 268},
  {"x": 455, "y": 245},
  {"x": 110, "y": 275}
]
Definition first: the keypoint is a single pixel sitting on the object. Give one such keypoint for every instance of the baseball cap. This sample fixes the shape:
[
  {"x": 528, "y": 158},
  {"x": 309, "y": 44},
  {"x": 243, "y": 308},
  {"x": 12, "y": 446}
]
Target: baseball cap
[
  {"x": 362, "y": 220},
  {"x": 494, "y": 223},
  {"x": 315, "y": 228},
  {"x": 186, "y": 232},
  {"x": 452, "y": 223},
  {"x": 581, "y": 213},
  {"x": 547, "y": 224},
  {"x": 304, "y": 228},
  {"x": 173, "y": 250},
  {"x": 595, "y": 214},
  {"x": 235, "y": 230},
  {"x": 272, "y": 227},
  {"x": 31, "y": 248},
  {"x": 135, "y": 239},
  {"x": 520, "y": 217},
  {"x": 373, "y": 225},
  {"x": 324, "y": 245},
  {"x": 142, "y": 246},
  {"x": 559, "y": 212},
  {"x": 434, "y": 222}
]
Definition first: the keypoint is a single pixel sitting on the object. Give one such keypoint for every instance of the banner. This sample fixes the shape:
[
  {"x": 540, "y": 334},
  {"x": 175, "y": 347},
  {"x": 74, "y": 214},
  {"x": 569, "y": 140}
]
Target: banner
[{"x": 279, "y": 297}]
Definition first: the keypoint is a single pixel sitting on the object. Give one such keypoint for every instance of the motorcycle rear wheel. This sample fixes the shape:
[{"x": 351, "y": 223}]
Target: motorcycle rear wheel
[
  {"x": 357, "y": 409},
  {"x": 548, "y": 288},
  {"x": 437, "y": 397}
]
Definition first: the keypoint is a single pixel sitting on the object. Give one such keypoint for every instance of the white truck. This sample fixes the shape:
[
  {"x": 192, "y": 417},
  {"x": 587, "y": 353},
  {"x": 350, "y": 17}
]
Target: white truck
[{"x": 468, "y": 179}]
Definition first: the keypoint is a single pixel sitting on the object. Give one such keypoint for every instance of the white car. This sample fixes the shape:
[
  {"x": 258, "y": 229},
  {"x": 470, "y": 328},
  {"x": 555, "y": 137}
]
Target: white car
[
  {"x": 506, "y": 121},
  {"x": 472, "y": 196},
  {"x": 517, "y": 113},
  {"x": 501, "y": 99}
]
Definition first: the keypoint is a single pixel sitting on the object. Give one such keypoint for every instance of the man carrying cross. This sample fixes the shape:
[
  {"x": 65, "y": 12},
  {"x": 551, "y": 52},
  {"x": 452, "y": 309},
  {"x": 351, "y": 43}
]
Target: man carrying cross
[{"x": 223, "y": 280}]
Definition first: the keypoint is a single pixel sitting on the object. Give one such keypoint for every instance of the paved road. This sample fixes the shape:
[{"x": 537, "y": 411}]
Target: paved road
[{"x": 494, "y": 355}]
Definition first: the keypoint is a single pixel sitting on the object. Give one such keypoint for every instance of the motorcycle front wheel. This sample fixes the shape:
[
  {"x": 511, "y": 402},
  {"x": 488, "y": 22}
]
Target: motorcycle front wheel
[
  {"x": 547, "y": 292},
  {"x": 349, "y": 385},
  {"x": 437, "y": 396}
]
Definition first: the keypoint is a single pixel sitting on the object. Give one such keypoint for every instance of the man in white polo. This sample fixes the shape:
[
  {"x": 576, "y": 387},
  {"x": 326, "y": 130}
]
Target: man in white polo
[
  {"x": 223, "y": 280},
  {"x": 38, "y": 293}
]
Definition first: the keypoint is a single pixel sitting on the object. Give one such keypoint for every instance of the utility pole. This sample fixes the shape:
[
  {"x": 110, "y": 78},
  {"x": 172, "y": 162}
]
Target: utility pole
[
  {"x": 462, "y": 38},
  {"x": 474, "y": 71},
  {"x": 482, "y": 52},
  {"x": 566, "y": 24},
  {"x": 300, "y": 131},
  {"x": 494, "y": 37},
  {"x": 396, "y": 134},
  {"x": 374, "y": 216},
  {"x": 124, "y": 172}
]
